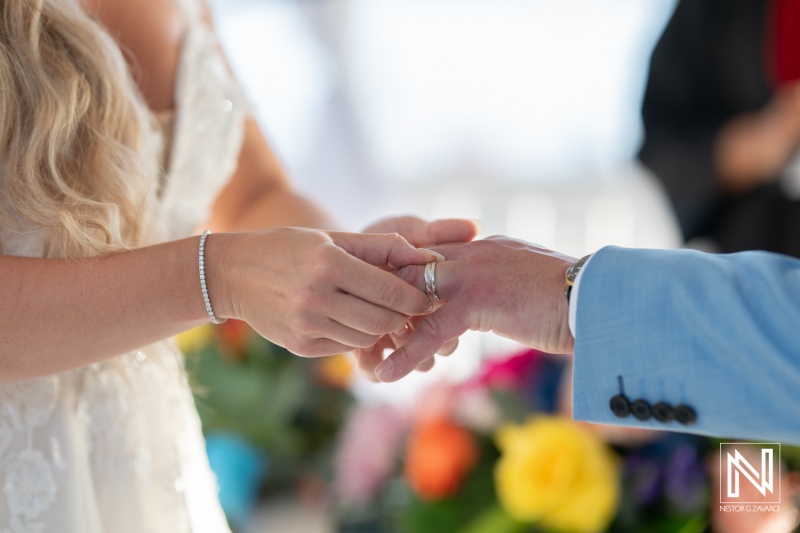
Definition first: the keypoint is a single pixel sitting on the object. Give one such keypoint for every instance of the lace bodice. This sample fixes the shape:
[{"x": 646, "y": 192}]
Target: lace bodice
[{"x": 116, "y": 447}]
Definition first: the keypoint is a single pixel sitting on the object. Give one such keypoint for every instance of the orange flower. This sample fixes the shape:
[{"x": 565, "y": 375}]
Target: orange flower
[
  {"x": 233, "y": 334},
  {"x": 335, "y": 371},
  {"x": 439, "y": 455}
]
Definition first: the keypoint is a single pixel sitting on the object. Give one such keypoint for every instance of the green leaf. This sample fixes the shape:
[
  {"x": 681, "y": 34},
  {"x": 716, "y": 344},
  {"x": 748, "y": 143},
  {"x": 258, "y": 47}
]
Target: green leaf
[{"x": 495, "y": 520}]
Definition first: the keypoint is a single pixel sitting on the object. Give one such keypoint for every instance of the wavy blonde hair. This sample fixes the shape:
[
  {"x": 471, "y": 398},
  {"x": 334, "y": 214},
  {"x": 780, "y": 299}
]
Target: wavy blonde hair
[{"x": 73, "y": 131}]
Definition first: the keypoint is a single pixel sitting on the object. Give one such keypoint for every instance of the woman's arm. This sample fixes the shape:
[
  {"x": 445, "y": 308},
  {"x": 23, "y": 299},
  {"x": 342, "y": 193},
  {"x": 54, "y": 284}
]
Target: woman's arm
[
  {"x": 315, "y": 293},
  {"x": 62, "y": 314}
]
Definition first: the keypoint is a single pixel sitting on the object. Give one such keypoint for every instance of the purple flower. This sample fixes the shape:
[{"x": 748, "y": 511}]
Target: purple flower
[
  {"x": 685, "y": 480},
  {"x": 645, "y": 477}
]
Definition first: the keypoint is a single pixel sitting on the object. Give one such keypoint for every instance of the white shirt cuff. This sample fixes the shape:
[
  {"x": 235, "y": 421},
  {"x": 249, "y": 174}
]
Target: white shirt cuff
[{"x": 573, "y": 299}]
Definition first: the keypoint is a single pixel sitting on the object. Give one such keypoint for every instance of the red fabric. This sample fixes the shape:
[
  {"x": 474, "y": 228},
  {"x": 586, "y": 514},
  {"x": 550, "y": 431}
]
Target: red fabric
[{"x": 785, "y": 41}]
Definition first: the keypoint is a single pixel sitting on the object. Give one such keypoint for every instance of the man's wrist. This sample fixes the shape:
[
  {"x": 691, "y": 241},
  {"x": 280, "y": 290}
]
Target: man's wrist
[{"x": 574, "y": 291}]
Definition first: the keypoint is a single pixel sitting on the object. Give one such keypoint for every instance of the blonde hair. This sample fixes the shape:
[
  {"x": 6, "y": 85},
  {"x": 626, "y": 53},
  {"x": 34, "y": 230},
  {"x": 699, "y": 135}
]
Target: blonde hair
[{"x": 73, "y": 131}]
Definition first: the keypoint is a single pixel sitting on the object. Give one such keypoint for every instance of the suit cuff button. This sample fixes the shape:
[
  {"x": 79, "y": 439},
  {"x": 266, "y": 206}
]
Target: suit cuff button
[
  {"x": 663, "y": 412},
  {"x": 620, "y": 406},
  {"x": 641, "y": 410},
  {"x": 685, "y": 415}
]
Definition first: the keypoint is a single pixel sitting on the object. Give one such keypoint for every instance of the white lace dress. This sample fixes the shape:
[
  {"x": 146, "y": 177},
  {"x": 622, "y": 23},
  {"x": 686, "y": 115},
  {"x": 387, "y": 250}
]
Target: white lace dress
[{"x": 116, "y": 447}]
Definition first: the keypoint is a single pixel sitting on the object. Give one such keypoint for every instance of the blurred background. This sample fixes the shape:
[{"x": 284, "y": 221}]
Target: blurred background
[
  {"x": 522, "y": 114},
  {"x": 526, "y": 115}
]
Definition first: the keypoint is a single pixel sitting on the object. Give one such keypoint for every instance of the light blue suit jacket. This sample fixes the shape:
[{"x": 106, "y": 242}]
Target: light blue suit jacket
[{"x": 720, "y": 333}]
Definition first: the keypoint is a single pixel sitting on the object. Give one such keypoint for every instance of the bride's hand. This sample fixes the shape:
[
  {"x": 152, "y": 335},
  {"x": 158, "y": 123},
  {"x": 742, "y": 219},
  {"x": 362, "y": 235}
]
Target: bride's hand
[
  {"x": 422, "y": 234},
  {"x": 315, "y": 293}
]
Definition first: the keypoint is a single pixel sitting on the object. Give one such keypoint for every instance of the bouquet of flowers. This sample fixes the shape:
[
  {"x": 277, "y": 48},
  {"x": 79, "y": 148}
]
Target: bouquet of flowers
[
  {"x": 501, "y": 454},
  {"x": 263, "y": 410}
]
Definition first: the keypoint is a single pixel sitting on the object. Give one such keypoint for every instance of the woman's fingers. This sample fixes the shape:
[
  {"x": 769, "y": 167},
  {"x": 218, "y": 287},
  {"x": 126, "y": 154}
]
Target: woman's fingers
[
  {"x": 321, "y": 348},
  {"x": 381, "y": 249},
  {"x": 363, "y": 316},
  {"x": 380, "y": 288},
  {"x": 347, "y": 336}
]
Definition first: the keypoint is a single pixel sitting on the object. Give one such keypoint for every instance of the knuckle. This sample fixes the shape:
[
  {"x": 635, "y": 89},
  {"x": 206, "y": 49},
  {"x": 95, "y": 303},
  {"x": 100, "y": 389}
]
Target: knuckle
[
  {"x": 322, "y": 261},
  {"x": 396, "y": 322},
  {"x": 367, "y": 341},
  {"x": 402, "y": 357},
  {"x": 394, "y": 238},
  {"x": 296, "y": 346},
  {"x": 392, "y": 295},
  {"x": 410, "y": 274},
  {"x": 382, "y": 323},
  {"x": 316, "y": 348},
  {"x": 430, "y": 327},
  {"x": 303, "y": 323},
  {"x": 307, "y": 299}
]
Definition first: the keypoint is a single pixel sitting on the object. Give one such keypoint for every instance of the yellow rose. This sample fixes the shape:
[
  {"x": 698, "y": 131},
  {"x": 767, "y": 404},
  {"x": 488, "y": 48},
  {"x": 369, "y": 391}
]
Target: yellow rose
[
  {"x": 554, "y": 472},
  {"x": 194, "y": 339}
]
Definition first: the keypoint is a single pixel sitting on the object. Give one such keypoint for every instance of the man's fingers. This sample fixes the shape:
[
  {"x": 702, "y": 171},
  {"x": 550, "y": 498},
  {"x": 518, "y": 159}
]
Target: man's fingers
[
  {"x": 382, "y": 249},
  {"x": 422, "y": 233},
  {"x": 450, "y": 230},
  {"x": 401, "y": 335},
  {"x": 426, "y": 365},
  {"x": 448, "y": 348},
  {"x": 369, "y": 358},
  {"x": 432, "y": 332},
  {"x": 446, "y": 284}
]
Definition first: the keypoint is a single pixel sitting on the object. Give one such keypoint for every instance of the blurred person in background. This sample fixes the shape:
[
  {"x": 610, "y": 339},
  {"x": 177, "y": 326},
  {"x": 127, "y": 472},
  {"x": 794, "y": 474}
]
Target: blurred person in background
[{"x": 721, "y": 115}]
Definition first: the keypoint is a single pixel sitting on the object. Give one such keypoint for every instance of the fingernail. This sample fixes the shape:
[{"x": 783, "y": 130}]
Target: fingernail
[
  {"x": 402, "y": 332},
  {"x": 438, "y": 257},
  {"x": 430, "y": 307},
  {"x": 478, "y": 224},
  {"x": 384, "y": 370}
]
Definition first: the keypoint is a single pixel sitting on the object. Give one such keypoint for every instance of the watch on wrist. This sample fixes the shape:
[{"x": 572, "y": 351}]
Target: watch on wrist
[{"x": 572, "y": 274}]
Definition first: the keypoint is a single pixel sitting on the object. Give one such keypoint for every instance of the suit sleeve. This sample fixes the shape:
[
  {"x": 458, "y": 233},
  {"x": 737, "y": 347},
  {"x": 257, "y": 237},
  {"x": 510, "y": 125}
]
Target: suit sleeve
[{"x": 719, "y": 333}]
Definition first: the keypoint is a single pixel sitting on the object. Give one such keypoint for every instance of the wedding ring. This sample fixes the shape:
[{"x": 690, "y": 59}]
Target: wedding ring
[{"x": 430, "y": 281}]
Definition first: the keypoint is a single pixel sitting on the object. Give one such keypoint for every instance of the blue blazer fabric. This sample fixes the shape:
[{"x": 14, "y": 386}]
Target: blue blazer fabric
[{"x": 720, "y": 333}]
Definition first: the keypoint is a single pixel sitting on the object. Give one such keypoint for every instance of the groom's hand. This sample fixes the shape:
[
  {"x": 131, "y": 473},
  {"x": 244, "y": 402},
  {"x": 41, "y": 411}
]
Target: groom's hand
[
  {"x": 422, "y": 234},
  {"x": 510, "y": 287}
]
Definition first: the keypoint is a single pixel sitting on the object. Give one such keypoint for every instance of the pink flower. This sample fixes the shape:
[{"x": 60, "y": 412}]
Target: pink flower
[
  {"x": 367, "y": 453},
  {"x": 508, "y": 373}
]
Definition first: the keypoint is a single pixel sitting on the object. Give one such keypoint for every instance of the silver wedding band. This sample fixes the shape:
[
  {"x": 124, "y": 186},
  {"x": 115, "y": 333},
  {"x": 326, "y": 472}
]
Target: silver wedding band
[{"x": 430, "y": 281}]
